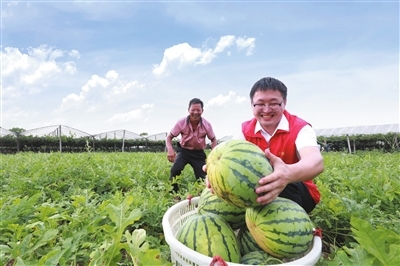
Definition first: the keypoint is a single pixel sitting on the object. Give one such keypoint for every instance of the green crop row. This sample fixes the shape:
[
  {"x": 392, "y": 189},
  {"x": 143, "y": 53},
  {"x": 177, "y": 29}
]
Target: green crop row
[
  {"x": 360, "y": 199},
  {"x": 96, "y": 208}
]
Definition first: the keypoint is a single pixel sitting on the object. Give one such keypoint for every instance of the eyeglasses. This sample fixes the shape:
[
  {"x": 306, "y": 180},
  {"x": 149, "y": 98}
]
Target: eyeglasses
[{"x": 272, "y": 106}]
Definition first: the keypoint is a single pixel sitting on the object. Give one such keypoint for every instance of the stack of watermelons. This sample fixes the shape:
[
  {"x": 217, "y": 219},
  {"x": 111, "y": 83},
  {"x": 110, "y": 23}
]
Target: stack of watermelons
[{"x": 231, "y": 224}]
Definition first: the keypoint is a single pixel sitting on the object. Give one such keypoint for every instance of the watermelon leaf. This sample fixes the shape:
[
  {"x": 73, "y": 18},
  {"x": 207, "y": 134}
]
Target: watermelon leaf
[
  {"x": 43, "y": 239},
  {"x": 136, "y": 241},
  {"x": 354, "y": 256},
  {"x": 118, "y": 214},
  {"x": 139, "y": 250},
  {"x": 380, "y": 242},
  {"x": 19, "y": 262},
  {"x": 109, "y": 252},
  {"x": 52, "y": 258}
]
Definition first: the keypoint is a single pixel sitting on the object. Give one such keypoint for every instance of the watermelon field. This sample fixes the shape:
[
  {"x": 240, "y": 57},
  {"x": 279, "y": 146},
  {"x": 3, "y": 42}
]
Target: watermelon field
[{"x": 95, "y": 208}]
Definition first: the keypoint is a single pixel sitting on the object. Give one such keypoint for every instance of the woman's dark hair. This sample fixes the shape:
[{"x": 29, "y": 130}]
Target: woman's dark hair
[{"x": 268, "y": 83}]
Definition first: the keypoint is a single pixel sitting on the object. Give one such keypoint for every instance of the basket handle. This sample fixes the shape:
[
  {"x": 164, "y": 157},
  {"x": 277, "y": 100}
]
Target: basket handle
[
  {"x": 189, "y": 197},
  {"x": 318, "y": 232},
  {"x": 218, "y": 261}
]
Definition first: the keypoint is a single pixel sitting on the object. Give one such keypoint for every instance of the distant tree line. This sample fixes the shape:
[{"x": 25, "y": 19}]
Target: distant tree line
[
  {"x": 21, "y": 143},
  {"x": 28, "y": 143},
  {"x": 384, "y": 142}
]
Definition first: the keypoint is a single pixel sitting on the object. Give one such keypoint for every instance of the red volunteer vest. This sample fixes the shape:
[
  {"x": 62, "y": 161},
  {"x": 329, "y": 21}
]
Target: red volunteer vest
[{"x": 282, "y": 144}]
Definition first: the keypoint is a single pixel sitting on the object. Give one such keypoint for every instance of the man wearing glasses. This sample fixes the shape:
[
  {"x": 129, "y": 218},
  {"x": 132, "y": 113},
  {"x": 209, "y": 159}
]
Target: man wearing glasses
[{"x": 289, "y": 143}]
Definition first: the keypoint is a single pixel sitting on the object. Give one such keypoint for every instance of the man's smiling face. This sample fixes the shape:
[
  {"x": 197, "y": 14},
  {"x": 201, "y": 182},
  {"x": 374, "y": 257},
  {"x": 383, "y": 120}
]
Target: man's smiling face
[
  {"x": 269, "y": 109},
  {"x": 195, "y": 112}
]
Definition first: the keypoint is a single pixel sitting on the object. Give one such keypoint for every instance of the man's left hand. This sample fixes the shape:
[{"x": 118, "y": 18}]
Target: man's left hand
[{"x": 271, "y": 186}]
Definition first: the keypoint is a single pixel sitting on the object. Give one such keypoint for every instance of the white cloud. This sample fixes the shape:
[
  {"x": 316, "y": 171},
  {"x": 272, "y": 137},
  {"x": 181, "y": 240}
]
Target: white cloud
[
  {"x": 29, "y": 73},
  {"x": 181, "y": 55},
  {"x": 13, "y": 61},
  {"x": 221, "y": 100},
  {"x": 16, "y": 113},
  {"x": 43, "y": 53},
  {"x": 137, "y": 114},
  {"x": 122, "y": 88},
  {"x": 100, "y": 91},
  {"x": 243, "y": 43},
  {"x": 6, "y": 13},
  {"x": 96, "y": 81},
  {"x": 75, "y": 53},
  {"x": 70, "y": 67},
  {"x": 178, "y": 55},
  {"x": 337, "y": 78},
  {"x": 224, "y": 42},
  {"x": 71, "y": 100},
  {"x": 206, "y": 58},
  {"x": 44, "y": 68}
]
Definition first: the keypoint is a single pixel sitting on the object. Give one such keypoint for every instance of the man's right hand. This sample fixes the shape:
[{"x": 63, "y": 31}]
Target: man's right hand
[{"x": 171, "y": 157}]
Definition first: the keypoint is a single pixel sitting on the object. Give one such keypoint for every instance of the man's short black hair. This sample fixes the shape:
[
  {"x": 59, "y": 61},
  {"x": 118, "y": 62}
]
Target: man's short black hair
[
  {"x": 269, "y": 83},
  {"x": 194, "y": 101}
]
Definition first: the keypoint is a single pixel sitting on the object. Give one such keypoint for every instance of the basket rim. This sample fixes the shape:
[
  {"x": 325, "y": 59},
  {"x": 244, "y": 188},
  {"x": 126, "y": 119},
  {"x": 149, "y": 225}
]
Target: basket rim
[{"x": 313, "y": 255}]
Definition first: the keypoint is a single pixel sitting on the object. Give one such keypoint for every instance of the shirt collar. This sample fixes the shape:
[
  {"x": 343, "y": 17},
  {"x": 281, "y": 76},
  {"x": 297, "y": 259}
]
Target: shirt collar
[
  {"x": 188, "y": 120},
  {"x": 283, "y": 125}
]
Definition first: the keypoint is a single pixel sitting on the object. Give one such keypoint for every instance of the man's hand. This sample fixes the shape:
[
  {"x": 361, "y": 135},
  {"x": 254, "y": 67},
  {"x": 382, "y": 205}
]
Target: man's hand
[
  {"x": 171, "y": 156},
  {"x": 208, "y": 185},
  {"x": 273, "y": 184}
]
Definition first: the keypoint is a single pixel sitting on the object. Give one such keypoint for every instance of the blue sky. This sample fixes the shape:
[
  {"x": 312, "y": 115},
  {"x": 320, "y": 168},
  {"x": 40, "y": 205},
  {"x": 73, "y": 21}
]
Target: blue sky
[{"x": 100, "y": 66}]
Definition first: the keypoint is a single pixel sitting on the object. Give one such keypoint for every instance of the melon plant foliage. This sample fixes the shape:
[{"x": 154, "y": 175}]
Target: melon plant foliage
[
  {"x": 54, "y": 207},
  {"x": 379, "y": 246}
]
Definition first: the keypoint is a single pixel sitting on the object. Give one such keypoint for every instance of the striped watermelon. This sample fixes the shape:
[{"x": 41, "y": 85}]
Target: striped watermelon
[
  {"x": 259, "y": 258},
  {"x": 247, "y": 244},
  {"x": 282, "y": 228},
  {"x": 233, "y": 215},
  {"x": 210, "y": 235},
  {"x": 234, "y": 168}
]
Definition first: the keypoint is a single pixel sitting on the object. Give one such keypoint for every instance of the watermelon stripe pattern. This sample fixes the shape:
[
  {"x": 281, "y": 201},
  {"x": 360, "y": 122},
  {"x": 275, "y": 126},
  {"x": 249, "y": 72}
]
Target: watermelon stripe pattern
[
  {"x": 281, "y": 228},
  {"x": 259, "y": 258},
  {"x": 211, "y": 203},
  {"x": 210, "y": 235},
  {"x": 247, "y": 243},
  {"x": 234, "y": 168}
]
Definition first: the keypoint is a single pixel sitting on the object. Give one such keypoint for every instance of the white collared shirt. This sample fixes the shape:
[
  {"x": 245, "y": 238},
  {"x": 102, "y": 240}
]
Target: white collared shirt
[{"x": 305, "y": 138}]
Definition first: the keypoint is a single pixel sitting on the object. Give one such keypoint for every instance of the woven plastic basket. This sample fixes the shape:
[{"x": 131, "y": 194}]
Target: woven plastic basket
[{"x": 182, "y": 255}]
